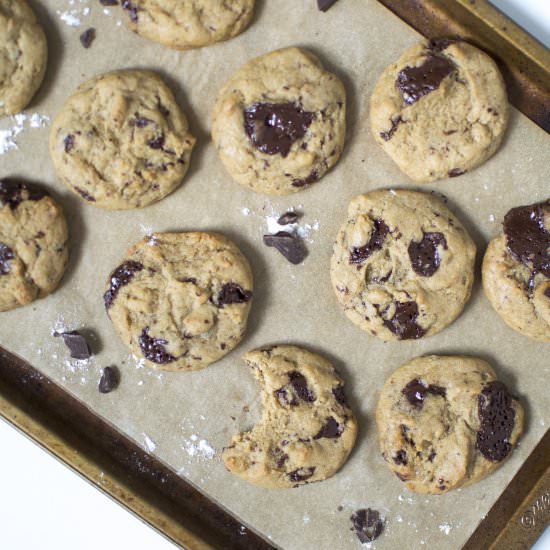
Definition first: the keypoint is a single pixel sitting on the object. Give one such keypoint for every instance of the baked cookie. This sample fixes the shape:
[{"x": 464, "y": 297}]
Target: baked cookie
[
  {"x": 307, "y": 430},
  {"x": 181, "y": 300},
  {"x": 445, "y": 422},
  {"x": 121, "y": 141},
  {"x": 279, "y": 124},
  {"x": 23, "y": 56},
  {"x": 186, "y": 24},
  {"x": 516, "y": 271},
  {"x": 441, "y": 110},
  {"x": 33, "y": 244},
  {"x": 403, "y": 264}
]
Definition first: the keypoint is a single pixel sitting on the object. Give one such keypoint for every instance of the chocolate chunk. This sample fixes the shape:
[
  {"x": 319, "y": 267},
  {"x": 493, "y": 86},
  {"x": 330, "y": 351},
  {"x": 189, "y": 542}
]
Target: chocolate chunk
[
  {"x": 131, "y": 9},
  {"x": 331, "y": 429},
  {"x": 157, "y": 142},
  {"x": 416, "y": 390},
  {"x": 87, "y": 37},
  {"x": 400, "y": 457},
  {"x": 6, "y": 254},
  {"x": 274, "y": 127},
  {"x": 232, "y": 293},
  {"x": 77, "y": 344},
  {"x": 367, "y": 524},
  {"x": 416, "y": 82},
  {"x": 153, "y": 348},
  {"x": 288, "y": 218},
  {"x": 109, "y": 380},
  {"x": 290, "y": 246},
  {"x": 325, "y": 5},
  {"x": 376, "y": 241},
  {"x": 395, "y": 122},
  {"x": 497, "y": 419},
  {"x": 527, "y": 238},
  {"x": 424, "y": 256},
  {"x": 301, "y": 474},
  {"x": 120, "y": 277},
  {"x": 312, "y": 178},
  {"x": 455, "y": 172},
  {"x": 108, "y": 2},
  {"x": 68, "y": 142},
  {"x": 403, "y": 323},
  {"x": 86, "y": 196},
  {"x": 299, "y": 384},
  {"x": 13, "y": 193},
  {"x": 339, "y": 395}
]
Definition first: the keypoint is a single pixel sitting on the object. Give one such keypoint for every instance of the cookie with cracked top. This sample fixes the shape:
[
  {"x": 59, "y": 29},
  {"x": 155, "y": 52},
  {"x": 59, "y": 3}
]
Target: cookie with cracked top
[
  {"x": 516, "y": 271},
  {"x": 187, "y": 24},
  {"x": 279, "y": 124},
  {"x": 403, "y": 264},
  {"x": 441, "y": 110},
  {"x": 33, "y": 243},
  {"x": 180, "y": 300},
  {"x": 121, "y": 141},
  {"x": 307, "y": 429},
  {"x": 446, "y": 422}
]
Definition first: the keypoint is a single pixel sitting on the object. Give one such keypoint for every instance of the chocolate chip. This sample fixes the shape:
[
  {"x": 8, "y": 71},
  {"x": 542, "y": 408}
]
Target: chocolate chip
[
  {"x": 376, "y": 241},
  {"x": 6, "y": 254},
  {"x": 288, "y": 218},
  {"x": 416, "y": 82},
  {"x": 86, "y": 196},
  {"x": 68, "y": 143},
  {"x": 395, "y": 122},
  {"x": 108, "y": 2},
  {"x": 339, "y": 395},
  {"x": 301, "y": 474},
  {"x": 367, "y": 525},
  {"x": 87, "y": 37},
  {"x": 153, "y": 348},
  {"x": 131, "y": 9},
  {"x": 157, "y": 142},
  {"x": 232, "y": 293},
  {"x": 432, "y": 455},
  {"x": 290, "y": 246},
  {"x": 455, "y": 172},
  {"x": 299, "y": 384},
  {"x": 424, "y": 256},
  {"x": 403, "y": 323},
  {"x": 191, "y": 280},
  {"x": 325, "y": 5},
  {"x": 280, "y": 457},
  {"x": 400, "y": 457},
  {"x": 120, "y": 277},
  {"x": 274, "y": 127},
  {"x": 331, "y": 429},
  {"x": 13, "y": 193},
  {"x": 497, "y": 419},
  {"x": 312, "y": 178},
  {"x": 77, "y": 344},
  {"x": 405, "y": 433},
  {"x": 416, "y": 390},
  {"x": 109, "y": 380}
]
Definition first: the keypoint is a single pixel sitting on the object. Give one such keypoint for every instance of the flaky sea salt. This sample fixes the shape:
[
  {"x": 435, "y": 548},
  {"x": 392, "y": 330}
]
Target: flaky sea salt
[
  {"x": 199, "y": 448},
  {"x": 150, "y": 445},
  {"x": 445, "y": 528},
  {"x": 18, "y": 123}
]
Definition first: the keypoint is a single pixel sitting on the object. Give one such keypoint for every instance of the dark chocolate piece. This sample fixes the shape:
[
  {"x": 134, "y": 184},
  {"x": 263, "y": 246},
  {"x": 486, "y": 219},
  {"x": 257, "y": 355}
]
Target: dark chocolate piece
[
  {"x": 312, "y": 178},
  {"x": 120, "y": 277},
  {"x": 290, "y": 246},
  {"x": 299, "y": 384},
  {"x": 400, "y": 457},
  {"x": 157, "y": 142},
  {"x": 280, "y": 457},
  {"x": 416, "y": 82},
  {"x": 13, "y": 193},
  {"x": 325, "y": 5},
  {"x": 416, "y": 390},
  {"x": 68, "y": 143},
  {"x": 331, "y": 429},
  {"x": 395, "y": 122},
  {"x": 424, "y": 256},
  {"x": 301, "y": 474},
  {"x": 87, "y": 37},
  {"x": 403, "y": 323},
  {"x": 274, "y": 127},
  {"x": 367, "y": 524},
  {"x": 232, "y": 293},
  {"x": 288, "y": 218},
  {"x": 109, "y": 380},
  {"x": 497, "y": 419},
  {"x": 432, "y": 455},
  {"x": 376, "y": 241},
  {"x": 132, "y": 10},
  {"x": 77, "y": 344},
  {"x": 6, "y": 254},
  {"x": 339, "y": 395},
  {"x": 153, "y": 348}
]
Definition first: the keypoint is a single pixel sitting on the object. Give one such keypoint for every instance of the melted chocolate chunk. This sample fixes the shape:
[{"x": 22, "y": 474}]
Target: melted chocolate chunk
[
  {"x": 339, "y": 395},
  {"x": 77, "y": 344},
  {"x": 331, "y": 429},
  {"x": 153, "y": 348},
  {"x": 455, "y": 172},
  {"x": 403, "y": 323},
  {"x": 301, "y": 474},
  {"x": 395, "y": 122},
  {"x": 360, "y": 254},
  {"x": 299, "y": 384},
  {"x": 6, "y": 254},
  {"x": 232, "y": 293},
  {"x": 400, "y": 457},
  {"x": 367, "y": 524},
  {"x": 157, "y": 142},
  {"x": 120, "y": 277},
  {"x": 68, "y": 143},
  {"x": 416, "y": 390},
  {"x": 288, "y": 218},
  {"x": 416, "y": 82},
  {"x": 527, "y": 238},
  {"x": 109, "y": 380},
  {"x": 87, "y": 37},
  {"x": 274, "y": 127},
  {"x": 13, "y": 193},
  {"x": 497, "y": 419},
  {"x": 131, "y": 9},
  {"x": 325, "y": 5},
  {"x": 289, "y": 245},
  {"x": 424, "y": 256}
]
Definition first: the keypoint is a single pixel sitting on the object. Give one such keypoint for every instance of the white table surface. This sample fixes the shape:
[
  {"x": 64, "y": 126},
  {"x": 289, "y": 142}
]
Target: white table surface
[{"x": 44, "y": 505}]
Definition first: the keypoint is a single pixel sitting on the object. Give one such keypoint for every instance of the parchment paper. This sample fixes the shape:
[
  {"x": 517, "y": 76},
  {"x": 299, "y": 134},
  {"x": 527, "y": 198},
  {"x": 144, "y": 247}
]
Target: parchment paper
[{"x": 185, "y": 418}]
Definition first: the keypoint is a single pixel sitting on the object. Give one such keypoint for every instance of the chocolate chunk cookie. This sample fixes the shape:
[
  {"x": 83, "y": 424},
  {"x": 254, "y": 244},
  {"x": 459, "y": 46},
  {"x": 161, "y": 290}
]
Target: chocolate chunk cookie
[
  {"x": 186, "y": 24},
  {"x": 307, "y": 430},
  {"x": 180, "y": 300},
  {"x": 516, "y": 271},
  {"x": 441, "y": 110},
  {"x": 33, "y": 244},
  {"x": 121, "y": 141},
  {"x": 23, "y": 56},
  {"x": 445, "y": 422},
  {"x": 279, "y": 124},
  {"x": 403, "y": 264}
]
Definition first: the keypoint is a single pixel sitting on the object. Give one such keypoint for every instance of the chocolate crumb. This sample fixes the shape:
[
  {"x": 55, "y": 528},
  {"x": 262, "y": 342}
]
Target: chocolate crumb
[
  {"x": 87, "y": 37},
  {"x": 77, "y": 344},
  {"x": 109, "y": 380},
  {"x": 367, "y": 524},
  {"x": 288, "y": 218}
]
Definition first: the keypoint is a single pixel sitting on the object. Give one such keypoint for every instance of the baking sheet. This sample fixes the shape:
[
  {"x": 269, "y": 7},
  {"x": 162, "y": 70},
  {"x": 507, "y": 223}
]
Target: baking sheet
[{"x": 185, "y": 419}]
